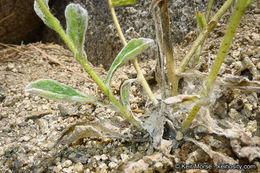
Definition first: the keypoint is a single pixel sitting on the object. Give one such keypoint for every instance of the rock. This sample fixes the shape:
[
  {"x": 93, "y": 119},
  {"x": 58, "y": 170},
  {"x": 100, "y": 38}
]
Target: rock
[
  {"x": 57, "y": 168},
  {"x": 179, "y": 136},
  {"x": 247, "y": 110},
  {"x": 104, "y": 157},
  {"x": 124, "y": 157},
  {"x": 10, "y": 101},
  {"x": 102, "y": 41},
  {"x": 233, "y": 113},
  {"x": 112, "y": 165},
  {"x": 78, "y": 168},
  {"x": 158, "y": 166},
  {"x": 25, "y": 138},
  {"x": 67, "y": 164},
  {"x": 68, "y": 170},
  {"x": 18, "y": 22},
  {"x": 10, "y": 67}
]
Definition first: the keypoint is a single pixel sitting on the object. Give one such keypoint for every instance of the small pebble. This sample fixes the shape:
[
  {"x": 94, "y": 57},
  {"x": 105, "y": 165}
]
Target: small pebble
[
  {"x": 104, "y": 157},
  {"x": 57, "y": 168},
  {"x": 68, "y": 170},
  {"x": 25, "y": 138},
  {"x": 112, "y": 165},
  {"x": 97, "y": 157},
  {"x": 237, "y": 65},
  {"x": 78, "y": 168},
  {"x": 67, "y": 163},
  {"x": 10, "y": 66},
  {"x": 158, "y": 165},
  {"x": 252, "y": 126},
  {"x": 233, "y": 113},
  {"x": 87, "y": 170},
  {"x": 124, "y": 157},
  {"x": 179, "y": 136}
]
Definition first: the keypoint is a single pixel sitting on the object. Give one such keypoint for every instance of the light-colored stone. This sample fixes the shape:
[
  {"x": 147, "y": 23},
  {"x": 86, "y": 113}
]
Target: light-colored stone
[
  {"x": 67, "y": 164},
  {"x": 78, "y": 168},
  {"x": 124, "y": 157},
  {"x": 179, "y": 136},
  {"x": 158, "y": 165},
  {"x": 104, "y": 157},
  {"x": 112, "y": 165}
]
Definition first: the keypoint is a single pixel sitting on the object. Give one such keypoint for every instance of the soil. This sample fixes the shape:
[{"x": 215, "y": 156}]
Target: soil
[{"x": 30, "y": 124}]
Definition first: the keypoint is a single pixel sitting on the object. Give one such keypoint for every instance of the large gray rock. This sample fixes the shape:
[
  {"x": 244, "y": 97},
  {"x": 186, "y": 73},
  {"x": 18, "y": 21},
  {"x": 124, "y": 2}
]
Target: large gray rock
[
  {"x": 18, "y": 22},
  {"x": 102, "y": 41}
]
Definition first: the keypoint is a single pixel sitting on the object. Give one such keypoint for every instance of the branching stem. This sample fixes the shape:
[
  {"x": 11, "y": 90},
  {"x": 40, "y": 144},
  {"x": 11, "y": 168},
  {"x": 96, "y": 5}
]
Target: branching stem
[
  {"x": 233, "y": 24},
  {"x": 57, "y": 27}
]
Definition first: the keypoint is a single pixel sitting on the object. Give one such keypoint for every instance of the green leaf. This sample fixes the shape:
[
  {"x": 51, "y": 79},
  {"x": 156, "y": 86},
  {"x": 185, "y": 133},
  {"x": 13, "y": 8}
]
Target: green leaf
[
  {"x": 54, "y": 90},
  {"x": 39, "y": 12},
  {"x": 130, "y": 51},
  {"x": 123, "y": 2},
  {"x": 124, "y": 93},
  {"x": 201, "y": 20},
  {"x": 77, "y": 22}
]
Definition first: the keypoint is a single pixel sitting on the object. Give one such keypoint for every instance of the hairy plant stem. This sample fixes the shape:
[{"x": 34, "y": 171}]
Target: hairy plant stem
[
  {"x": 134, "y": 61},
  {"x": 57, "y": 27},
  {"x": 234, "y": 22}
]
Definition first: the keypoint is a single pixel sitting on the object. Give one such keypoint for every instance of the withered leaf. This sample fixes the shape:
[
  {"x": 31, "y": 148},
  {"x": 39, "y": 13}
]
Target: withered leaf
[
  {"x": 242, "y": 83},
  {"x": 218, "y": 158},
  {"x": 93, "y": 129},
  {"x": 251, "y": 152},
  {"x": 180, "y": 99}
]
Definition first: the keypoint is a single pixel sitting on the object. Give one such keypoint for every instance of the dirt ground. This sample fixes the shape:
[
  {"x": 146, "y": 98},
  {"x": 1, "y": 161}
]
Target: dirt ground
[{"x": 30, "y": 124}]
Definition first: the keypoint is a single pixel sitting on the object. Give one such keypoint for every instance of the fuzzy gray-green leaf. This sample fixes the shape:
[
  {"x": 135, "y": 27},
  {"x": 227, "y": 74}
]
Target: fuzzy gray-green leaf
[
  {"x": 54, "y": 90},
  {"x": 124, "y": 93},
  {"x": 77, "y": 22},
  {"x": 39, "y": 12},
  {"x": 130, "y": 51}
]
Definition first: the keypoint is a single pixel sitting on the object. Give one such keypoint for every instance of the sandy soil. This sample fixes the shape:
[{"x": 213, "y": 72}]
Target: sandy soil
[{"x": 29, "y": 124}]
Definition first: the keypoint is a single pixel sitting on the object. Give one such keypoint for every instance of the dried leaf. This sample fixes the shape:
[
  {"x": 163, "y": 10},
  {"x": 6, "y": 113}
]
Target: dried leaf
[
  {"x": 218, "y": 158},
  {"x": 235, "y": 131},
  {"x": 180, "y": 99},
  {"x": 95, "y": 129},
  {"x": 251, "y": 152},
  {"x": 229, "y": 81},
  {"x": 154, "y": 125},
  {"x": 242, "y": 83}
]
